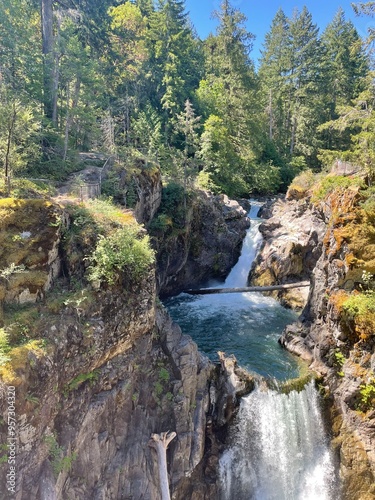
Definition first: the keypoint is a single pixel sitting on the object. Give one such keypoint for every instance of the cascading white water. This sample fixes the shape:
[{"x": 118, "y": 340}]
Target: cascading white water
[
  {"x": 250, "y": 246},
  {"x": 278, "y": 449}
]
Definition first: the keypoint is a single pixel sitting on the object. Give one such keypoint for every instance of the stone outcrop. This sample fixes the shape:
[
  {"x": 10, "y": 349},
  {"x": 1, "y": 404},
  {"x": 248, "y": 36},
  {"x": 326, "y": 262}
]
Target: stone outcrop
[
  {"x": 319, "y": 336},
  {"x": 30, "y": 235},
  {"x": 293, "y": 234},
  {"x": 115, "y": 371},
  {"x": 207, "y": 247},
  {"x": 148, "y": 187}
]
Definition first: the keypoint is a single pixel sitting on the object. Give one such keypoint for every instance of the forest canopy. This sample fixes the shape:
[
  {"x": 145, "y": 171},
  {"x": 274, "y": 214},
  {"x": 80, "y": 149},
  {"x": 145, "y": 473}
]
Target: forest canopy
[{"x": 134, "y": 80}]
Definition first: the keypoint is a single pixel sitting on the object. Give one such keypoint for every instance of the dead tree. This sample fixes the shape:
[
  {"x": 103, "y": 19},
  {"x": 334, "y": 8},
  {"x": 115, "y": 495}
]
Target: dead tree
[{"x": 160, "y": 443}]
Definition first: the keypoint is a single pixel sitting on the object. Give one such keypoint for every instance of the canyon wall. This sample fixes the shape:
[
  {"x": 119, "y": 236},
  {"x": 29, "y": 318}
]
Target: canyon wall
[{"x": 312, "y": 239}]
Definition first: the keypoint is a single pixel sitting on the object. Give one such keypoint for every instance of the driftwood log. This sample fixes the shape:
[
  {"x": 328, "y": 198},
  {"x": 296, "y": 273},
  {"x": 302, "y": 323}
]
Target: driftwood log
[
  {"x": 209, "y": 291},
  {"x": 160, "y": 443}
]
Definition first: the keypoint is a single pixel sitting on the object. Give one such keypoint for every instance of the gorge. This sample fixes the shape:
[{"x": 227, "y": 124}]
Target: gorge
[{"x": 100, "y": 370}]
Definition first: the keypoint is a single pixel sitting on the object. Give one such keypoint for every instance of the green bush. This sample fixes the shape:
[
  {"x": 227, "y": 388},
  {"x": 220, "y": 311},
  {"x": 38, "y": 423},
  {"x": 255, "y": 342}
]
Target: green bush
[
  {"x": 367, "y": 396},
  {"x": 161, "y": 224},
  {"x": 359, "y": 310},
  {"x": 330, "y": 183},
  {"x": 171, "y": 213},
  {"x": 124, "y": 251}
]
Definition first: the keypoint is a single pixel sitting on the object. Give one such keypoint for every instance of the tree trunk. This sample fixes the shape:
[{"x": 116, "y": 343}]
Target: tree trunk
[
  {"x": 271, "y": 116},
  {"x": 70, "y": 112},
  {"x": 293, "y": 138},
  {"x": 47, "y": 50},
  {"x": 7, "y": 154},
  {"x": 160, "y": 443}
]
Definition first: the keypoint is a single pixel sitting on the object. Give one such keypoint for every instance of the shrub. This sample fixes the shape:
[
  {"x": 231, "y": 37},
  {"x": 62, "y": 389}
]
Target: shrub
[
  {"x": 304, "y": 181},
  {"x": 360, "y": 310},
  {"x": 125, "y": 250},
  {"x": 367, "y": 393},
  {"x": 171, "y": 213},
  {"x": 330, "y": 183}
]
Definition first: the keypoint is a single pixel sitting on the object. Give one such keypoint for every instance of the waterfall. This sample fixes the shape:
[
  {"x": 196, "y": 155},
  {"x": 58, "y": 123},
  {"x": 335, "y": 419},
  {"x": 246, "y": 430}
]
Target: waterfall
[
  {"x": 239, "y": 273},
  {"x": 278, "y": 449}
]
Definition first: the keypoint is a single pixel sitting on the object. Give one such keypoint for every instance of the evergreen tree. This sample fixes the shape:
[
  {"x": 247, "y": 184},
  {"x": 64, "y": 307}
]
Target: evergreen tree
[
  {"x": 291, "y": 76},
  {"x": 274, "y": 67},
  {"x": 174, "y": 65},
  {"x": 227, "y": 97},
  {"x": 187, "y": 124}
]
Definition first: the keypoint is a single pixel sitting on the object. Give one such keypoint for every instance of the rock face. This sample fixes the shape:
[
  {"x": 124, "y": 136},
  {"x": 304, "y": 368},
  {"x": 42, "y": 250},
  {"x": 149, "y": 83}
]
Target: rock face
[
  {"x": 148, "y": 188},
  {"x": 115, "y": 371},
  {"x": 292, "y": 244},
  {"x": 30, "y": 235},
  {"x": 319, "y": 337},
  {"x": 207, "y": 248}
]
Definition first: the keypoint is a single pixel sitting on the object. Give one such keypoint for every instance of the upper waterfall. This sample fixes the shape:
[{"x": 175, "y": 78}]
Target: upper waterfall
[{"x": 239, "y": 273}]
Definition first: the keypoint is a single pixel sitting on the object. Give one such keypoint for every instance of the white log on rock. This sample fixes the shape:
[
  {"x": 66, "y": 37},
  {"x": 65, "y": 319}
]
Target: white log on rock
[{"x": 160, "y": 443}]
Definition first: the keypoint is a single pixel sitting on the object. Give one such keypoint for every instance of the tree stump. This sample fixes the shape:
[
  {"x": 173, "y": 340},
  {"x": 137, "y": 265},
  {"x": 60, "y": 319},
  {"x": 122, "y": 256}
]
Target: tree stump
[{"x": 160, "y": 443}]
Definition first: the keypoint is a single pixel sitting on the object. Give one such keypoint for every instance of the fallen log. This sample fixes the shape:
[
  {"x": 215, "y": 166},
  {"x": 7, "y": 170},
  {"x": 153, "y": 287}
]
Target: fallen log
[{"x": 286, "y": 286}]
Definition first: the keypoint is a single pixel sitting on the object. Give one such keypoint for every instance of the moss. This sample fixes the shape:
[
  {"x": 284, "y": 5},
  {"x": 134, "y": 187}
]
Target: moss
[
  {"x": 28, "y": 231},
  {"x": 12, "y": 371},
  {"x": 266, "y": 278}
]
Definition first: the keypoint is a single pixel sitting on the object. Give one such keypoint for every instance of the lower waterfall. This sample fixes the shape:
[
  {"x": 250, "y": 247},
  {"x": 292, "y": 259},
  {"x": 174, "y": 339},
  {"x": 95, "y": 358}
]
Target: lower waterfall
[{"x": 278, "y": 449}]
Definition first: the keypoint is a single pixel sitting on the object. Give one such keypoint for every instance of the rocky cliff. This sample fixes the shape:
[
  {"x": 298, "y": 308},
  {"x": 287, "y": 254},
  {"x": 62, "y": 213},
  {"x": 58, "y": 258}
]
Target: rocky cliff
[
  {"x": 97, "y": 368},
  {"x": 201, "y": 243},
  {"x": 292, "y": 243},
  {"x": 326, "y": 236}
]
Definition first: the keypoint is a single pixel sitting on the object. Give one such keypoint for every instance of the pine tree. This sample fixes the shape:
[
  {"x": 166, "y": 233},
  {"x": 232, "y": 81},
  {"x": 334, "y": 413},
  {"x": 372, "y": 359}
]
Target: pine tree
[
  {"x": 274, "y": 67},
  {"x": 174, "y": 66},
  {"x": 227, "y": 97},
  {"x": 187, "y": 124}
]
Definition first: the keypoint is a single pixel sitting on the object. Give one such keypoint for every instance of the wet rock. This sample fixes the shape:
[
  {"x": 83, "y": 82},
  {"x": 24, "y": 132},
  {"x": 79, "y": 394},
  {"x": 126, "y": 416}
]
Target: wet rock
[
  {"x": 207, "y": 247},
  {"x": 292, "y": 245}
]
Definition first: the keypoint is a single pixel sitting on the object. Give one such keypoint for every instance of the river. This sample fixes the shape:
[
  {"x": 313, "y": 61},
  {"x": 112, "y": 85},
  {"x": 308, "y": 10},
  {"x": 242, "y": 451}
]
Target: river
[{"x": 277, "y": 447}]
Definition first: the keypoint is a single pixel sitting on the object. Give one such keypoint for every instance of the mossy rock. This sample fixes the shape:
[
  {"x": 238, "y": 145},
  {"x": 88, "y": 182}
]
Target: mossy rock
[{"x": 28, "y": 231}]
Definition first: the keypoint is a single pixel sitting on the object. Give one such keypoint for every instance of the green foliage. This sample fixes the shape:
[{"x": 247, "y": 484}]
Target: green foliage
[
  {"x": 367, "y": 392},
  {"x": 31, "y": 398},
  {"x": 266, "y": 178},
  {"x": 4, "y": 347},
  {"x": 59, "y": 462},
  {"x": 126, "y": 78},
  {"x": 25, "y": 188},
  {"x": 164, "y": 375},
  {"x": 172, "y": 212},
  {"x": 331, "y": 183},
  {"x": 125, "y": 251},
  {"x": 81, "y": 378},
  {"x": 339, "y": 361},
  {"x": 17, "y": 125},
  {"x": 158, "y": 386},
  {"x": 359, "y": 309}
]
